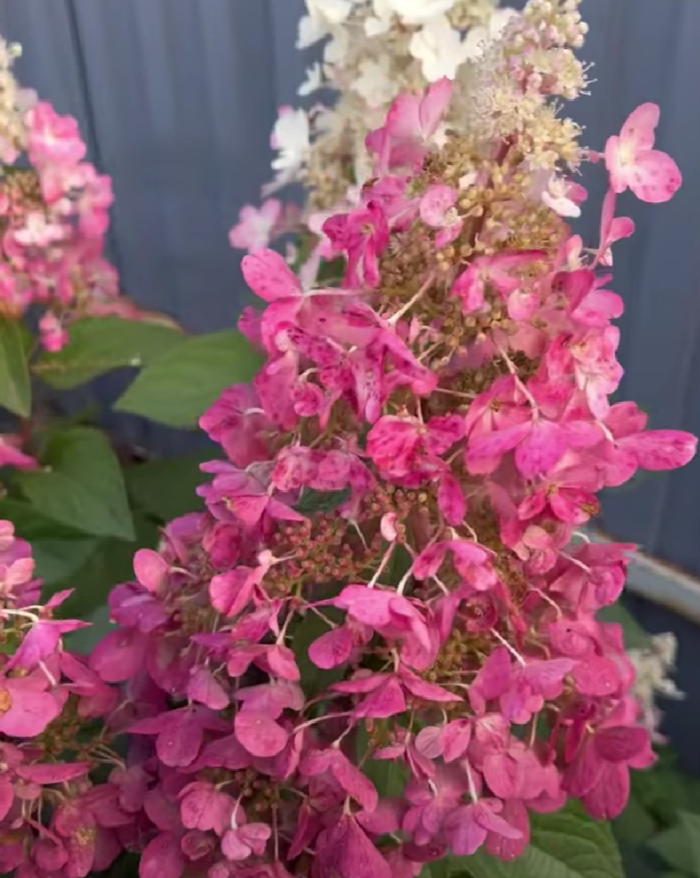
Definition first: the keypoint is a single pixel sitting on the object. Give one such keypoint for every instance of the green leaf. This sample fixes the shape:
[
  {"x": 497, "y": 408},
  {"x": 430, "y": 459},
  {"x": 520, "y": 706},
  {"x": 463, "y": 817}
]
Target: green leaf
[
  {"x": 32, "y": 525},
  {"x": 330, "y": 271},
  {"x": 635, "y": 825},
  {"x": 82, "y": 485},
  {"x": 635, "y": 636},
  {"x": 680, "y": 846},
  {"x": 437, "y": 869},
  {"x": 58, "y": 560},
  {"x": 165, "y": 489},
  {"x": 321, "y": 501},
  {"x": 100, "y": 344},
  {"x": 638, "y": 863},
  {"x": 177, "y": 387},
  {"x": 84, "y": 640},
  {"x": 566, "y": 844},
  {"x": 110, "y": 563},
  {"x": 388, "y": 775},
  {"x": 664, "y": 791},
  {"x": 674, "y": 847},
  {"x": 15, "y": 383}
]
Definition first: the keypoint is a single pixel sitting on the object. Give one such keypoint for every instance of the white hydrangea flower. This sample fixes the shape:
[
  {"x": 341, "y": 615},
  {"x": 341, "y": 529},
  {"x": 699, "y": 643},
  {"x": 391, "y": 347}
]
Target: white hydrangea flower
[
  {"x": 313, "y": 81},
  {"x": 332, "y": 11},
  {"x": 380, "y": 21},
  {"x": 653, "y": 666},
  {"x": 420, "y": 11},
  {"x": 336, "y": 50},
  {"x": 310, "y": 32},
  {"x": 374, "y": 84},
  {"x": 321, "y": 16},
  {"x": 439, "y": 48},
  {"x": 478, "y": 38},
  {"x": 291, "y": 138}
]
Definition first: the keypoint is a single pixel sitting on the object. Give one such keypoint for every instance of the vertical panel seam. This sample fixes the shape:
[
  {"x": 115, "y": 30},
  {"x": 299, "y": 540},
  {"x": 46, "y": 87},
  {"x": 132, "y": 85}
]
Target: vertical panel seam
[{"x": 90, "y": 118}]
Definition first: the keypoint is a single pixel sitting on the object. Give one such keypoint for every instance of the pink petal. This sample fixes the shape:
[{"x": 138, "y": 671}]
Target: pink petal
[
  {"x": 596, "y": 676},
  {"x": 609, "y": 797},
  {"x": 468, "y": 835},
  {"x": 268, "y": 275},
  {"x": 7, "y": 797},
  {"x": 231, "y": 591},
  {"x": 46, "y": 773},
  {"x": 584, "y": 771},
  {"x": 150, "y": 569},
  {"x": 255, "y": 835},
  {"x": 541, "y": 450},
  {"x": 661, "y": 449},
  {"x": 488, "y": 818},
  {"x": 354, "y": 782},
  {"x": 331, "y": 649},
  {"x": 178, "y": 745},
  {"x": 434, "y": 104},
  {"x": 638, "y": 129},
  {"x": 30, "y": 711},
  {"x": 435, "y": 202},
  {"x": 386, "y": 701},
  {"x": 455, "y": 738},
  {"x": 498, "y": 442},
  {"x": 621, "y": 743},
  {"x": 429, "y": 742},
  {"x": 120, "y": 655},
  {"x": 205, "y": 689},
  {"x": 162, "y": 858},
  {"x": 259, "y": 734},
  {"x": 282, "y": 663},
  {"x": 234, "y": 847},
  {"x": 428, "y": 691},
  {"x": 655, "y": 177}
]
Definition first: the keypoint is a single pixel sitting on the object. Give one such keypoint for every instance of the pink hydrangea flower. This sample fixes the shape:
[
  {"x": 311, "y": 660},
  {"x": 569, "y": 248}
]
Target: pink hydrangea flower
[{"x": 632, "y": 162}]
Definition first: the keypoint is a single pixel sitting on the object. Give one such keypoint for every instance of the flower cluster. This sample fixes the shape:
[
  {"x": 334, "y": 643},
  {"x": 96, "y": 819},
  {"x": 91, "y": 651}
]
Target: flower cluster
[
  {"x": 390, "y": 569},
  {"x": 373, "y": 51},
  {"x": 53, "y": 216},
  {"x": 54, "y": 820}
]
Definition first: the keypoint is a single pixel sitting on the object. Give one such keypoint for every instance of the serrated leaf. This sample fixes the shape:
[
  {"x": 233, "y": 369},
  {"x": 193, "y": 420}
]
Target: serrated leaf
[
  {"x": 166, "y": 489},
  {"x": 81, "y": 485},
  {"x": 177, "y": 387},
  {"x": 100, "y": 344},
  {"x": 15, "y": 383},
  {"x": 566, "y": 844},
  {"x": 321, "y": 501}
]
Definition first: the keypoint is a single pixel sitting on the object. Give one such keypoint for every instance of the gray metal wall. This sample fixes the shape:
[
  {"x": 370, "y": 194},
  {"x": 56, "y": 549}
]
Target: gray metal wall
[{"x": 177, "y": 98}]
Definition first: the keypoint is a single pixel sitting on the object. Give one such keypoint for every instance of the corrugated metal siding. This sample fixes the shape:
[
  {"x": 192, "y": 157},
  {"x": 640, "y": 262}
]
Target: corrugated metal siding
[{"x": 177, "y": 98}]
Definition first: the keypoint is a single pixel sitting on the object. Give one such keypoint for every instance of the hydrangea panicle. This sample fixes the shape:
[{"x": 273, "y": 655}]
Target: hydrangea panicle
[
  {"x": 54, "y": 208},
  {"x": 390, "y": 564}
]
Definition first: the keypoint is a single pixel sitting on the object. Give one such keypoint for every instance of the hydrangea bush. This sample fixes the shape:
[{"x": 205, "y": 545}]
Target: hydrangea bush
[{"x": 376, "y": 651}]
